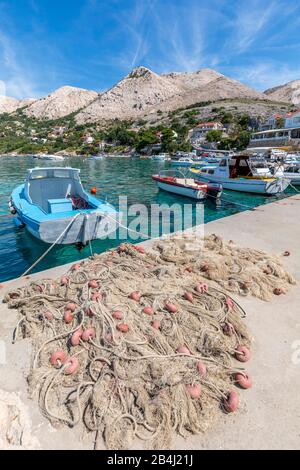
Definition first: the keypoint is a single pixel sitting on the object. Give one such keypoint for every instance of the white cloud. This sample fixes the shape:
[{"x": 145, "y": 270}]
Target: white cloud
[{"x": 18, "y": 83}]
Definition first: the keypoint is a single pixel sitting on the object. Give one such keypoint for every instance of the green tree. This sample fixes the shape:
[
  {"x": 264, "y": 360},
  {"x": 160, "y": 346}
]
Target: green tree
[{"x": 213, "y": 136}]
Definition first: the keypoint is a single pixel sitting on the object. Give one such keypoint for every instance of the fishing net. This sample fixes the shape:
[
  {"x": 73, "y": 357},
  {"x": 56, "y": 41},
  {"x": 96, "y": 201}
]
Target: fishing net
[{"x": 135, "y": 374}]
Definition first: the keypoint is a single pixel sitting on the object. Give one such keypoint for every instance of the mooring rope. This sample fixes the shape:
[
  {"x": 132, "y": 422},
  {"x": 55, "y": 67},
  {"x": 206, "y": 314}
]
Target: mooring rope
[{"x": 52, "y": 246}]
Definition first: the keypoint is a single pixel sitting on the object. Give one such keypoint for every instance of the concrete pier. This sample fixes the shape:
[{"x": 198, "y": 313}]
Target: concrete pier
[{"x": 269, "y": 417}]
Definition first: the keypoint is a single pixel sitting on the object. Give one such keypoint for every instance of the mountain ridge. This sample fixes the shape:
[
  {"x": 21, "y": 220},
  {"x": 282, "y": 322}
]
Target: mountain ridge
[{"x": 143, "y": 92}]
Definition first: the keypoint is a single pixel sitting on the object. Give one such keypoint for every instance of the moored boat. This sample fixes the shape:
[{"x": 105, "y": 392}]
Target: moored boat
[
  {"x": 54, "y": 207},
  {"x": 44, "y": 156},
  {"x": 235, "y": 173},
  {"x": 177, "y": 183},
  {"x": 161, "y": 157}
]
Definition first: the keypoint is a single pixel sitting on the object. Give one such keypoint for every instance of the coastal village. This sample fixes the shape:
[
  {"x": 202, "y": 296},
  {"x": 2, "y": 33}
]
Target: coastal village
[{"x": 184, "y": 339}]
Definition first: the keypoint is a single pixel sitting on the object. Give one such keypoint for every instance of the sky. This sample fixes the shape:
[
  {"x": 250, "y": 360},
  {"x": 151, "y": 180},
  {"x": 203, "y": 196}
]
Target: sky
[{"x": 45, "y": 44}]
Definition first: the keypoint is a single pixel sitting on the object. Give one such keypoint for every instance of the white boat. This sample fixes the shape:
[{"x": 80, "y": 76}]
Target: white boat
[
  {"x": 161, "y": 157},
  {"x": 292, "y": 172},
  {"x": 54, "y": 207},
  {"x": 236, "y": 173},
  {"x": 95, "y": 157},
  {"x": 44, "y": 156},
  {"x": 177, "y": 183}
]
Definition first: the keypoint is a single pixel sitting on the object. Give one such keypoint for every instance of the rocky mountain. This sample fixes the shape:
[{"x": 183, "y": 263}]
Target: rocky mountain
[
  {"x": 290, "y": 92},
  {"x": 9, "y": 105},
  {"x": 60, "y": 103},
  {"x": 145, "y": 92}
]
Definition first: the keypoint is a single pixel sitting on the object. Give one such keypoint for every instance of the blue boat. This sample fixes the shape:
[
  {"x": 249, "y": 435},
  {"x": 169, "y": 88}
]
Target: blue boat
[{"x": 54, "y": 207}]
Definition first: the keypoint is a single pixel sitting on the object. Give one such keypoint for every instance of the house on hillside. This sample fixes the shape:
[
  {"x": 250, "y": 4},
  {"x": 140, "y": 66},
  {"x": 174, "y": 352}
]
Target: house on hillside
[
  {"x": 271, "y": 122},
  {"x": 292, "y": 119},
  {"x": 286, "y": 121},
  {"x": 88, "y": 139},
  {"x": 198, "y": 134}
]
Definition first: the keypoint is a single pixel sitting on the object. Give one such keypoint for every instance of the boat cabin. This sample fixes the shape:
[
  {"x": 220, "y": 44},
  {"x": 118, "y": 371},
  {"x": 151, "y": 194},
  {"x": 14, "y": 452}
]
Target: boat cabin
[
  {"x": 56, "y": 190},
  {"x": 236, "y": 166}
]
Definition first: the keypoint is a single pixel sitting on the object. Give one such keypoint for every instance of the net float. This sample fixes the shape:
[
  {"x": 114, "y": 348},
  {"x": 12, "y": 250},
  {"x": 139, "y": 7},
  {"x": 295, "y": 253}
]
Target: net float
[
  {"x": 109, "y": 337},
  {"x": 94, "y": 190},
  {"x": 228, "y": 329},
  {"x": 96, "y": 296},
  {"x": 64, "y": 281},
  {"x": 93, "y": 284},
  {"x": 229, "y": 303},
  {"x": 136, "y": 296},
  {"x": 156, "y": 324},
  {"x": 88, "y": 334},
  {"x": 140, "y": 249},
  {"x": 48, "y": 315},
  {"x": 76, "y": 337},
  {"x": 89, "y": 312},
  {"x": 189, "y": 297},
  {"x": 117, "y": 315},
  {"x": 278, "y": 291},
  {"x": 72, "y": 366},
  {"x": 201, "y": 367},
  {"x": 122, "y": 248},
  {"x": 287, "y": 253},
  {"x": 123, "y": 327},
  {"x": 246, "y": 285},
  {"x": 172, "y": 308},
  {"x": 244, "y": 380},
  {"x": 231, "y": 402},
  {"x": 76, "y": 267},
  {"x": 58, "y": 358},
  {"x": 194, "y": 391},
  {"x": 189, "y": 269},
  {"x": 148, "y": 310},
  {"x": 68, "y": 316},
  {"x": 71, "y": 306},
  {"x": 242, "y": 354},
  {"x": 183, "y": 350},
  {"x": 201, "y": 288}
]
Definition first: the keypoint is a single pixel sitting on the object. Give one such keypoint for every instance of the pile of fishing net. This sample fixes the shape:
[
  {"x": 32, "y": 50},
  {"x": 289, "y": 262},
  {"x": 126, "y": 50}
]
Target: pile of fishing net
[{"x": 137, "y": 343}]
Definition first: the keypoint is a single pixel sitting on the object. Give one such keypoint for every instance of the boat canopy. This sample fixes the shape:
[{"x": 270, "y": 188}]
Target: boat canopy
[{"x": 45, "y": 184}]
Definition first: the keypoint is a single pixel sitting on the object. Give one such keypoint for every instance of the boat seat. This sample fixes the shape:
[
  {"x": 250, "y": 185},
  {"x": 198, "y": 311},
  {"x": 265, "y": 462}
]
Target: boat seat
[
  {"x": 189, "y": 181},
  {"x": 59, "y": 205},
  {"x": 43, "y": 190}
]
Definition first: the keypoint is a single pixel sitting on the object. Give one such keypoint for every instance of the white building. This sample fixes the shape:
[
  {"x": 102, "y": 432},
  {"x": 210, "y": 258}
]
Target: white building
[
  {"x": 200, "y": 131},
  {"x": 292, "y": 119}
]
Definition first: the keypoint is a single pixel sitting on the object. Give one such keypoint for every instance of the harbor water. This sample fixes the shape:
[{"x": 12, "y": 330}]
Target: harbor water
[{"x": 113, "y": 177}]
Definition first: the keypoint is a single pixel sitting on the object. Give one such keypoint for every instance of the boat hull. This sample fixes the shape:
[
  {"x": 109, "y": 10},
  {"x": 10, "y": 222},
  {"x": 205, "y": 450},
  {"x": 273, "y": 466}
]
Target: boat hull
[
  {"x": 85, "y": 227},
  {"x": 271, "y": 187}
]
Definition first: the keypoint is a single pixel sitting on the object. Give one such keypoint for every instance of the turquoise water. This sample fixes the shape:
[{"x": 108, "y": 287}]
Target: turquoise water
[{"x": 112, "y": 177}]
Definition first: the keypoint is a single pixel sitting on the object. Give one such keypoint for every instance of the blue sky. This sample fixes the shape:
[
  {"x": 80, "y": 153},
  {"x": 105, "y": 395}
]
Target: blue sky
[{"x": 45, "y": 44}]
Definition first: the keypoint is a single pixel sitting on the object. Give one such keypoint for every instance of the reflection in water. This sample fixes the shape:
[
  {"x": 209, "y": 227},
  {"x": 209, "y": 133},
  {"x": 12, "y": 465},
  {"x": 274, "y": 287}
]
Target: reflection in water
[{"x": 112, "y": 177}]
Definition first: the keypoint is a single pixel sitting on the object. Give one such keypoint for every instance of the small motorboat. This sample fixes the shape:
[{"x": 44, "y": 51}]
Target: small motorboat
[
  {"x": 290, "y": 171},
  {"x": 161, "y": 157},
  {"x": 45, "y": 156},
  {"x": 185, "y": 162},
  {"x": 177, "y": 183},
  {"x": 238, "y": 174},
  {"x": 95, "y": 157},
  {"x": 54, "y": 207}
]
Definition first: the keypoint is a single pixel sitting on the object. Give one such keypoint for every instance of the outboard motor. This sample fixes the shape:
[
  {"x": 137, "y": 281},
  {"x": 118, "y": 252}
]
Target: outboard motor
[{"x": 214, "y": 190}]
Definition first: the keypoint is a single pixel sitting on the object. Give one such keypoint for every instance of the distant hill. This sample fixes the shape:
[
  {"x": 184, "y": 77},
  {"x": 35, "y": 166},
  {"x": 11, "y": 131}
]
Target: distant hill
[
  {"x": 9, "y": 105},
  {"x": 290, "y": 92},
  {"x": 143, "y": 92},
  {"x": 60, "y": 103}
]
